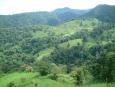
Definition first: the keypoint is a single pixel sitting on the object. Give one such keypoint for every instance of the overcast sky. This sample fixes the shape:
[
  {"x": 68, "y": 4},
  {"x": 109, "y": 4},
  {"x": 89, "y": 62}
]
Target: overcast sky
[{"x": 20, "y": 6}]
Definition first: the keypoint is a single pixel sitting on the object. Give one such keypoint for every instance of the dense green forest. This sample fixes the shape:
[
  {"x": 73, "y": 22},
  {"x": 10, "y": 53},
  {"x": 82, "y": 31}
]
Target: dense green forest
[{"x": 78, "y": 50}]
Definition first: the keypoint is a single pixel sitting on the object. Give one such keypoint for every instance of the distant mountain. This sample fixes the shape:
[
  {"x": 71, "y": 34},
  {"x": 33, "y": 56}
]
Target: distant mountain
[
  {"x": 68, "y": 14},
  {"x": 104, "y": 12},
  {"x": 51, "y": 18}
]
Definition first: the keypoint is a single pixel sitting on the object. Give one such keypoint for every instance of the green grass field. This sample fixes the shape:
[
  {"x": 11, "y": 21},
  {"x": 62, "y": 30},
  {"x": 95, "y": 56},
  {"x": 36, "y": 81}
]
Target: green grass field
[
  {"x": 45, "y": 52},
  {"x": 16, "y": 77},
  {"x": 68, "y": 28},
  {"x": 42, "y": 81},
  {"x": 71, "y": 43}
]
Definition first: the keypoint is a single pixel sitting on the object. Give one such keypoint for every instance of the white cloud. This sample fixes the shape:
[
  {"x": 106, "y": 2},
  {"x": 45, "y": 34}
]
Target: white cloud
[{"x": 19, "y": 6}]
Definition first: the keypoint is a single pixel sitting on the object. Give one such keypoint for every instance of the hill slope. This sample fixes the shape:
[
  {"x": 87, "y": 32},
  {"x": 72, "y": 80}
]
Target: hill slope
[
  {"x": 33, "y": 18},
  {"x": 103, "y": 12},
  {"x": 41, "y": 40}
]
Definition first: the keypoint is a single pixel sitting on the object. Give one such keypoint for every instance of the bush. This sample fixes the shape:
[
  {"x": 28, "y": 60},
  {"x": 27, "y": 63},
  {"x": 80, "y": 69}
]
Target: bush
[
  {"x": 53, "y": 76},
  {"x": 77, "y": 75},
  {"x": 11, "y": 84},
  {"x": 55, "y": 70},
  {"x": 65, "y": 78},
  {"x": 43, "y": 68}
]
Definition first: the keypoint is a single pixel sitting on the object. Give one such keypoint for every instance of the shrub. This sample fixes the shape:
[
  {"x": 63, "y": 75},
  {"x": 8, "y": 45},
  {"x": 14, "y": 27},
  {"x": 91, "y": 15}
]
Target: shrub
[
  {"x": 77, "y": 75},
  {"x": 11, "y": 84},
  {"x": 43, "y": 68}
]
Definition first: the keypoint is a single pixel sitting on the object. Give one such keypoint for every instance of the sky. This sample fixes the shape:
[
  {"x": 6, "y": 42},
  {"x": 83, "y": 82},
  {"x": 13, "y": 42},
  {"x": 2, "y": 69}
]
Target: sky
[{"x": 20, "y": 6}]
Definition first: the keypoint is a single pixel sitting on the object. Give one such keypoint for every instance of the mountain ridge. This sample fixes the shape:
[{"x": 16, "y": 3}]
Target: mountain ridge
[
  {"x": 58, "y": 16},
  {"x": 103, "y": 12}
]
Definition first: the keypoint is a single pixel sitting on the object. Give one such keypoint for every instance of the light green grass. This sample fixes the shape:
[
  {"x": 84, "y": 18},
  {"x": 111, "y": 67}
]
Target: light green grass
[
  {"x": 69, "y": 28},
  {"x": 71, "y": 43},
  {"x": 45, "y": 52},
  {"x": 15, "y": 77},
  {"x": 42, "y": 81},
  {"x": 99, "y": 85},
  {"x": 39, "y": 34},
  {"x": 52, "y": 83}
]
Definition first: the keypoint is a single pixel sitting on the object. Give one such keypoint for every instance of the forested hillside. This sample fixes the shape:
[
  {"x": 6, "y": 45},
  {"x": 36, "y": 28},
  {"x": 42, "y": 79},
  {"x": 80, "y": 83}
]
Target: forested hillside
[
  {"x": 103, "y": 12},
  {"x": 33, "y": 18},
  {"x": 75, "y": 52}
]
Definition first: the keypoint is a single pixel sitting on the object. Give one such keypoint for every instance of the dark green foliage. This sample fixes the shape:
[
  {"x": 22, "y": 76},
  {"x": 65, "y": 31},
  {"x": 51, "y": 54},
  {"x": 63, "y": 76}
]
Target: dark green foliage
[
  {"x": 53, "y": 76},
  {"x": 11, "y": 84},
  {"x": 69, "y": 56},
  {"x": 18, "y": 46},
  {"x": 103, "y": 66},
  {"x": 12, "y": 53},
  {"x": 79, "y": 79},
  {"x": 103, "y": 12}
]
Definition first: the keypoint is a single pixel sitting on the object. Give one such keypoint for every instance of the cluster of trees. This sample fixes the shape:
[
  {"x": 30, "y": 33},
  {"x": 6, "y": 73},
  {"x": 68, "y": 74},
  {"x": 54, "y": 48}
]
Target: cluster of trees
[
  {"x": 103, "y": 67},
  {"x": 85, "y": 67},
  {"x": 99, "y": 58},
  {"x": 18, "y": 45},
  {"x": 12, "y": 52},
  {"x": 100, "y": 67}
]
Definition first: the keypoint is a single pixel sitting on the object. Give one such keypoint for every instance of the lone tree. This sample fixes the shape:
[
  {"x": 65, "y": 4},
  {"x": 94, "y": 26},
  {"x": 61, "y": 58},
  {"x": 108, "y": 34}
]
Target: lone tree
[
  {"x": 77, "y": 75},
  {"x": 55, "y": 70},
  {"x": 43, "y": 68}
]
